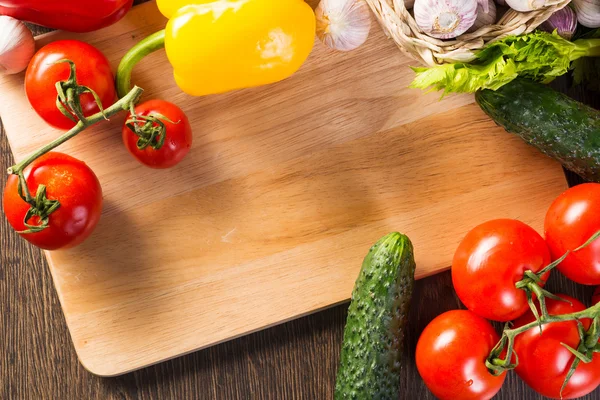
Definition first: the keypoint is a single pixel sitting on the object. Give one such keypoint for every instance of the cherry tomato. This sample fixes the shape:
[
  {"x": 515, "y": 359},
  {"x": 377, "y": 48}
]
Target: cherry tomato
[
  {"x": 596, "y": 297},
  {"x": 178, "y": 135},
  {"x": 451, "y": 355},
  {"x": 93, "y": 71},
  {"x": 571, "y": 220},
  {"x": 67, "y": 180},
  {"x": 490, "y": 260},
  {"x": 544, "y": 362}
]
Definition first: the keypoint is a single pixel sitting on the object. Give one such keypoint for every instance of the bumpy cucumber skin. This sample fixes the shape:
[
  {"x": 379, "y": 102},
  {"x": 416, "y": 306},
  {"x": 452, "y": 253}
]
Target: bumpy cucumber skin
[
  {"x": 378, "y": 312},
  {"x": 559, "y": 126}
]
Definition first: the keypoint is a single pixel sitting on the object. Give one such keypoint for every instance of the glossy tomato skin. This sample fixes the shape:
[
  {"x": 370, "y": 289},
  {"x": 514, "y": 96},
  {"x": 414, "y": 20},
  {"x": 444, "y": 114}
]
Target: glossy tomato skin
[
  {"x": 490, "y": 260},
  {"x": 178, "y": 137},
  {"x": 93, "y": 71},
  {"x": 451, "y": 354},
  {"x": 544, "y": 362},
  {"x": 67, "y": 180},
  {"x": 571, "y": 220}
]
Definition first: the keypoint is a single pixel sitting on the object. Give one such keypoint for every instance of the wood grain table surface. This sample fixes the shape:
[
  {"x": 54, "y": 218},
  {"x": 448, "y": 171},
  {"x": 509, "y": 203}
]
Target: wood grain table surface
[{"x": 296, "y": 360}]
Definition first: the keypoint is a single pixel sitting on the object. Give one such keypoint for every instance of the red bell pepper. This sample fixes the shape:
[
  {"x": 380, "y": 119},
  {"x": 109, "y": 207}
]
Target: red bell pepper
[{"x": 69, "y": 15}]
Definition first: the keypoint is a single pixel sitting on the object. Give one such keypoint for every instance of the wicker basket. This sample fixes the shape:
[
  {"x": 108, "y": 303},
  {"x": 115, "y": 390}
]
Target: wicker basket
[{"x": 400, "y": 25}]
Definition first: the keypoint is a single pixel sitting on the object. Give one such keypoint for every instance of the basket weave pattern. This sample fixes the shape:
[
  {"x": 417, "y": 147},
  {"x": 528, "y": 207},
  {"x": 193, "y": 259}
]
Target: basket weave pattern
[{"x": 400, "y": 25}]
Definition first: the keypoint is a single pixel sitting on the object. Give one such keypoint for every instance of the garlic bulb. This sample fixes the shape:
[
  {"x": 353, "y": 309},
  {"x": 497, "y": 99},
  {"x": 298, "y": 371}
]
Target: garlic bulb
[
  {"x": 343, "y": 24},
  {"x": 445, "y": 19},
  {"x": 16, "y": 45},
  {"x": 588, "y": 12},
  {"x": 525, "y": 5},
  {"x": 484, "y": 17},
  {"x": 564, "y": 21}
]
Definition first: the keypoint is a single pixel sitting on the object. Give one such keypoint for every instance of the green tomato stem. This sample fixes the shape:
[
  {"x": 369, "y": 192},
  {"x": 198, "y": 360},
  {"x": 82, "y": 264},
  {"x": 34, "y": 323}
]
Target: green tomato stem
[
  {"x": 145, "y": 47},
  {"x": 497, "y": 364},
  {"x": 590, "y": 313},
  {"x": 122, "y": 105},
  {"x": 532, "y": 282}
]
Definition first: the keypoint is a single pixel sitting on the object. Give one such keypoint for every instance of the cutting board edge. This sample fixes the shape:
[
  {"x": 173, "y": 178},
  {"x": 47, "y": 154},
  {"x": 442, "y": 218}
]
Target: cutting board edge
[{"x": 115, "y": 372}]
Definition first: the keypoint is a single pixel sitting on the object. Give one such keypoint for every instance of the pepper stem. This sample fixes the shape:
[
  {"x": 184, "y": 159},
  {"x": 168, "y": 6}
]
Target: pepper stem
[{"x": 145, "y": 47}]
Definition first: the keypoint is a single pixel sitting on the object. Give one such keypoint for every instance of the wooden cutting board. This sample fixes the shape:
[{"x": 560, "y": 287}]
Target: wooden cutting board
[{"x": 286, "y": 188}]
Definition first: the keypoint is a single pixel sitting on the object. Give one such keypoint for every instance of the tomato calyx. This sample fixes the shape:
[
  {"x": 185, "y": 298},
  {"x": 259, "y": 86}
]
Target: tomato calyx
[
  {"x": 533, "y": 282},
  {"x": 498, "y": 364},
  {"x": 68, "y": 95},
  {"x": 40, "y": 206},
  {"x": 150, "y": 129},
  {"x": 588, "y": 345}
]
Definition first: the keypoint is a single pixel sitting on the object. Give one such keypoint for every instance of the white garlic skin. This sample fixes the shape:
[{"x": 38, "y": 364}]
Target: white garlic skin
[
  {"x": 588, "y": 12},
  {"x": 17, "y": 45},
  {"x": 484, "y": 18},
  {"x": 525, "y": 5},
  {"x": 343, "y": 25},
  {"x": 445, "y": 19}
]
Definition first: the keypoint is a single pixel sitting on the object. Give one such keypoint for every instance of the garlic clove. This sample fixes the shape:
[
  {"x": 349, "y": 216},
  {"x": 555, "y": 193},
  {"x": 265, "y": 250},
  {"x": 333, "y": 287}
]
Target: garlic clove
[
  {"x": 564, "y": 21},
  {"x": 525, "y": 5},
  {"x": 445, "y": 19},
  {"x": 343, "y": 25},
  {"x": 17, "y": 45},
  {"x": 588, "y": 12},
  {"x": 484, "y": 5},
  {"x": 484, "y": 17}
]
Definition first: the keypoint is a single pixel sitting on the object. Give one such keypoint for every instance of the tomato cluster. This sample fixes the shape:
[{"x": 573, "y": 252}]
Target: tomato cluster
[
  {"x": 545, "y": 361},
  {"x": 55, "y": 201},
  {"x": 498, "y": 270}
]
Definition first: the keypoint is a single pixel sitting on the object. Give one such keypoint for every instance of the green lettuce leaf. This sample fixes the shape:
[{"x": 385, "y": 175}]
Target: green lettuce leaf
[{"x": 539, "y": 56}]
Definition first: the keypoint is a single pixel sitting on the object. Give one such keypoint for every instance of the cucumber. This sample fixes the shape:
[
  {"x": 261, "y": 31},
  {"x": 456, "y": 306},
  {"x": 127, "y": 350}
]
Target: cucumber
[
  {"x": 374, "y": 333},
  {"x": 559, "y": 126}
]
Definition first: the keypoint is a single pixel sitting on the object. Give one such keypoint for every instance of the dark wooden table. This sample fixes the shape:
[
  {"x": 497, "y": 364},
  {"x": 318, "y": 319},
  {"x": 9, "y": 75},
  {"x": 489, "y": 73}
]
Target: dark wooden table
[{"x": 297, "y": 360}]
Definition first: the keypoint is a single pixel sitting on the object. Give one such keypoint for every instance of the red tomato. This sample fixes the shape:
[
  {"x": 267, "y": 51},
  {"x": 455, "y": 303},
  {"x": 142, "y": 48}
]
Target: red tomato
[
  {"x": 67, "y": 180},
  {"x": 544, "y": 362},
  {"x": 490, "y": 260},
  {"x": 451, "y": 355},
  {"x": 596, "y": 297},
  {"x": 93, "y": 71},
  {"x": 571, "y": 220},
  {"x": 178, "y": 135}
]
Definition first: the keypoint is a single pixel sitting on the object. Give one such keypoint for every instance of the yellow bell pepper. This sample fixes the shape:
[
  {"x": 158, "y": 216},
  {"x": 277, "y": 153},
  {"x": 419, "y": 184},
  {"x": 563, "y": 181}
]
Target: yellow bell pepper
[{"x": 222, "y": 45}]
